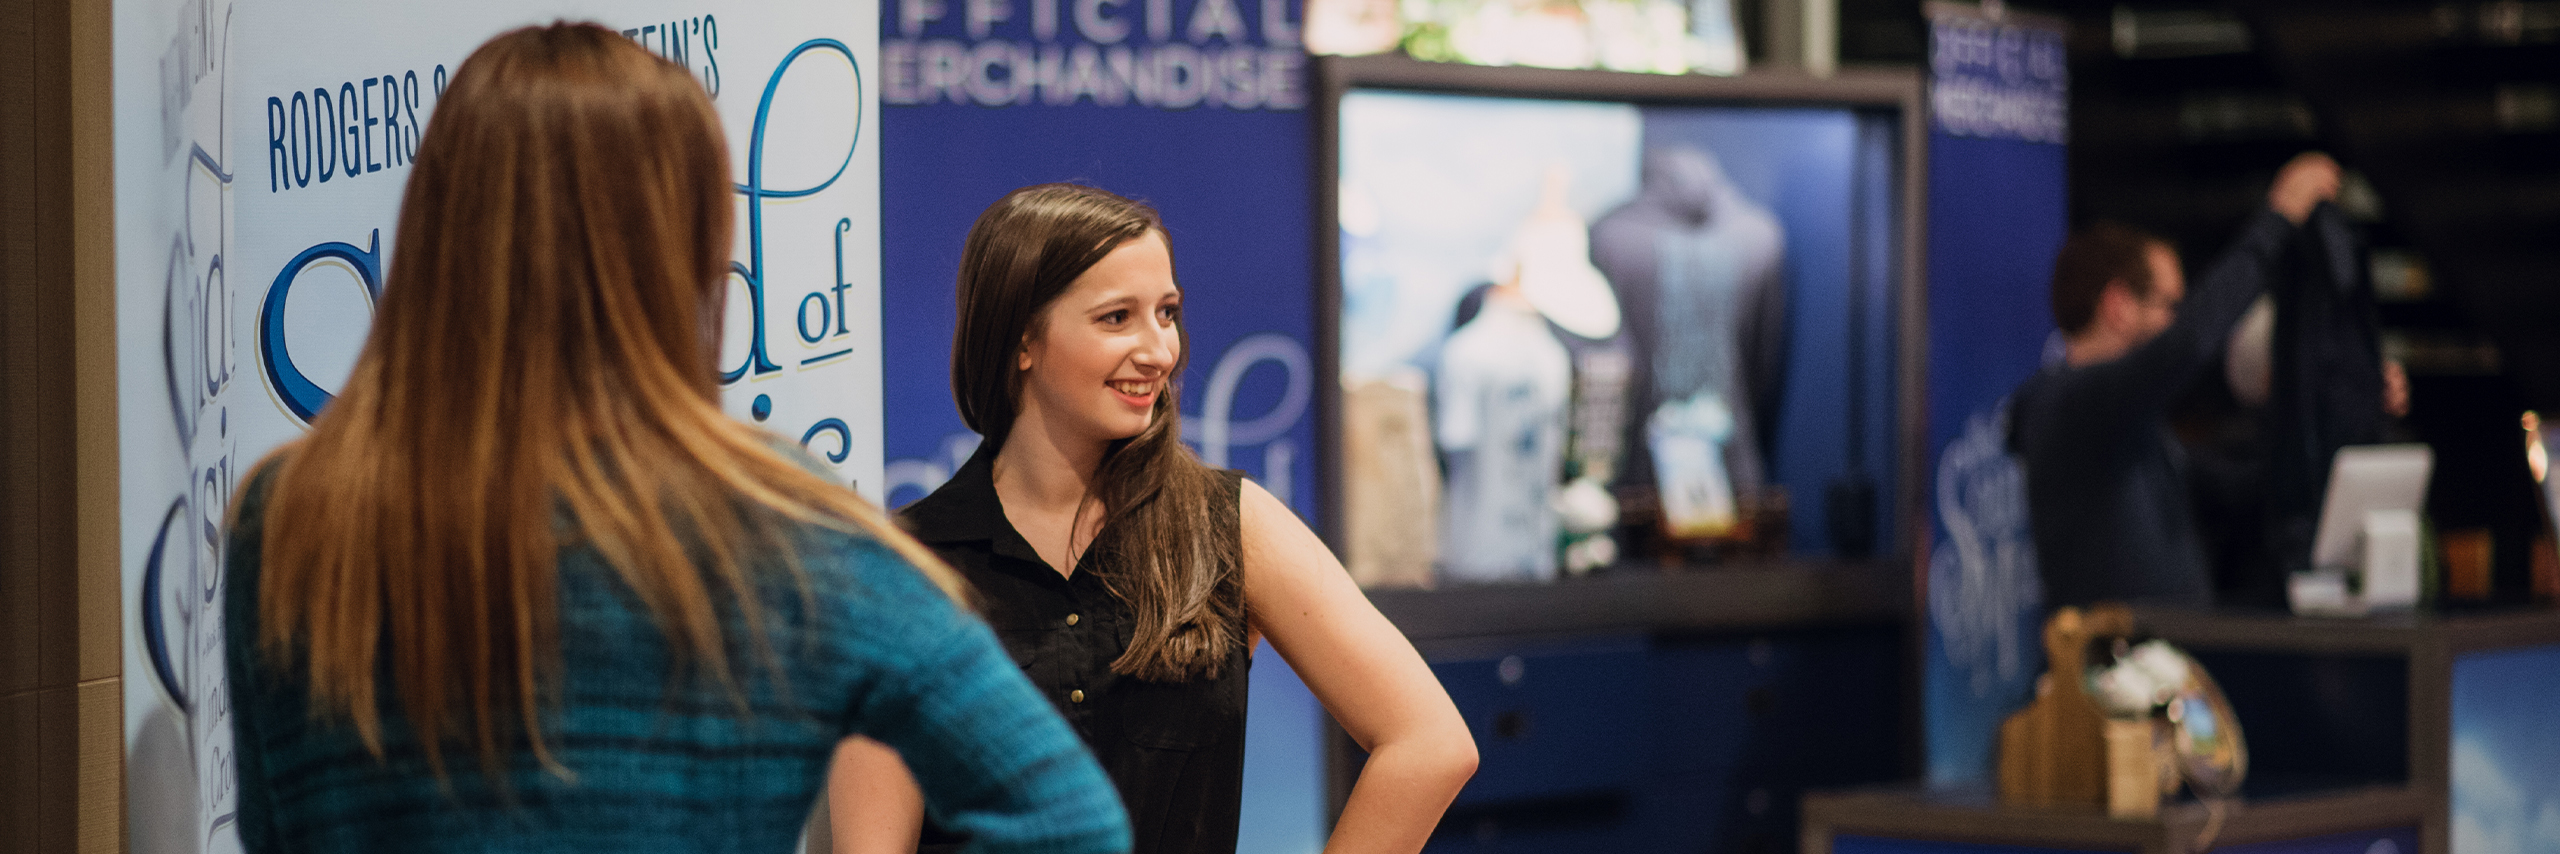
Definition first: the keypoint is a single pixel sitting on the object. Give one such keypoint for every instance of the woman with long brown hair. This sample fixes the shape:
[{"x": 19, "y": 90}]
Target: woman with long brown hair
[
  {"x": 525, "y": 532},
  {"x": 1126, "y": 577}
]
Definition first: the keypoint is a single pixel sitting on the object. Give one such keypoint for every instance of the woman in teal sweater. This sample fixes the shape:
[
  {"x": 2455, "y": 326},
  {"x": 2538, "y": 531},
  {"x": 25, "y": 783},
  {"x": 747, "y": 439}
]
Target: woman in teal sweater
[{"x": 524, "y": 537}]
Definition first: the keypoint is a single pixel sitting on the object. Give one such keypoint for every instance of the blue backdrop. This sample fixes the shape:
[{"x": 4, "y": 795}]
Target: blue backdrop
[
  {"x": 1996, "y": 218},
  {"x": 1195, "y": 107},
  {"x": 1233, "y": 188},
  {"x": 1997, "y": 215}
]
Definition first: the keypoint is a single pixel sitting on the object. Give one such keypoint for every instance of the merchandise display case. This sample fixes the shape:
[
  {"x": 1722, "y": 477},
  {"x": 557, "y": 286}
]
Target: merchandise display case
[
  {"x": 1589, "y": 322},
  {"x": 1620, "y": 409}
]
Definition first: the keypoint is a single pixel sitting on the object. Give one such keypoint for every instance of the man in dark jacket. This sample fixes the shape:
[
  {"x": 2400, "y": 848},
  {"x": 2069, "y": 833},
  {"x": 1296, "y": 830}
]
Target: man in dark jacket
[{"x": 2106, "y": 491}]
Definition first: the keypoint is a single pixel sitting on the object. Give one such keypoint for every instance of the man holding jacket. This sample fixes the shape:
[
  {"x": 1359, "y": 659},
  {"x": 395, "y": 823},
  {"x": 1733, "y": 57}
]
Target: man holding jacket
[{"x": 2106, "y": 488}]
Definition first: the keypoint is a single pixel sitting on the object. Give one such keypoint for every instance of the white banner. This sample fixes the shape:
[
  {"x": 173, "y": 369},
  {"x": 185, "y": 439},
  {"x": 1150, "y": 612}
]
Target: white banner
[{"x": 261, "y": 150}]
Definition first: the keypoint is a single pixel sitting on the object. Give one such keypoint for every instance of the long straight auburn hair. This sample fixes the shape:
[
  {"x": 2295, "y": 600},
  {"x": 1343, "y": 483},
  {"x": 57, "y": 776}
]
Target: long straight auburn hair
[
  {"x": 1177, "y": 566},
  {"x": 540, "y": 374}
]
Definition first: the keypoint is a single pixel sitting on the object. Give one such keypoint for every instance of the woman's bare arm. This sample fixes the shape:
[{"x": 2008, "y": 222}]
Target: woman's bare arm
[
  {"x": 873, "y": 805},
  {"x": 1365, "y": 673}
]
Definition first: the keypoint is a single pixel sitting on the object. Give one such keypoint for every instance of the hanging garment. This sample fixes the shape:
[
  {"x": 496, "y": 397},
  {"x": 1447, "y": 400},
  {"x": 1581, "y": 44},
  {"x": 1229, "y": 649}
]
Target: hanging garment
[
  {"x": 1503, "y": 388},
  {"x": 2327, "y": 390}
]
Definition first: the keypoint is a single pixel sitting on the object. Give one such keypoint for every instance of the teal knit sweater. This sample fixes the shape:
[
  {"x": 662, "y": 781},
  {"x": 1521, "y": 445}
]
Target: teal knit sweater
[{"x": 655, "y": 769}]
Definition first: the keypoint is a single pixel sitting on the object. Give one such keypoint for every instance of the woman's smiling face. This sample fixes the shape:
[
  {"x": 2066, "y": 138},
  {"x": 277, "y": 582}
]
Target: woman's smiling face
[{"x": 1103, "y": 351}]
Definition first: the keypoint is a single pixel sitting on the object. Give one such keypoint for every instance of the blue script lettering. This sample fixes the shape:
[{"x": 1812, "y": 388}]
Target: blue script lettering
[
  {"x": 300, "y": 395},
  {"x": 752, "y": 272}
]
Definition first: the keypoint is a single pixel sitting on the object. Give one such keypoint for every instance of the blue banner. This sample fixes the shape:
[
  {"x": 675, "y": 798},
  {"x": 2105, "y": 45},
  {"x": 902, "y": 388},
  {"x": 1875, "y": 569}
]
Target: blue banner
[
  {"x": 1997, "y": 214},
  {"x": 1196, "y": 107},
  {"x": 1233, "y": 187},
  {"x": 1995, "y": 76}
]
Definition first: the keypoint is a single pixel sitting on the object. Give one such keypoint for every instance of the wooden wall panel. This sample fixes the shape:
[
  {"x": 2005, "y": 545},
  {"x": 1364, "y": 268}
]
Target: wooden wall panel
[{"x": 61, "y": 619}]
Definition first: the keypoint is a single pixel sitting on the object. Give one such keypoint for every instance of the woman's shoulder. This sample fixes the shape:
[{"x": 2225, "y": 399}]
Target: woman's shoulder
[
  {"x": 1248, "y": 495},
  {"x": 249, "y": 503},
  {"x": 246, "y": 522},
  {"x": 868, "y": 599},
  {"x": 945, "y": 515},
  {"x": 1270, "y": 529},
  {"x": 837, "y": 555},
  {"x": 961, "y": 508}
]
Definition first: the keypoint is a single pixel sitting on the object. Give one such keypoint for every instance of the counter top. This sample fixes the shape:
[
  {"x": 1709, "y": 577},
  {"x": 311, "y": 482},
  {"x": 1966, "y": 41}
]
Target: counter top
[
  {"x": 1977, "y": 816},
  {"x": 2404, "y": 633}
]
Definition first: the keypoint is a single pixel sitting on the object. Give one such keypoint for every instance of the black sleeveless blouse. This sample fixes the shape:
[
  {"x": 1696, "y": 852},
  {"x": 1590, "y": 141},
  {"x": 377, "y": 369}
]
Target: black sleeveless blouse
[{"x": 1174, "y": 749}]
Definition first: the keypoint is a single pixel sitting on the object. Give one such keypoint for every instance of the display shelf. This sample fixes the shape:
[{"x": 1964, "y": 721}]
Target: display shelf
[
  {"x": 1744, "y": 597},
  {"x": 2355, "y": 818}
]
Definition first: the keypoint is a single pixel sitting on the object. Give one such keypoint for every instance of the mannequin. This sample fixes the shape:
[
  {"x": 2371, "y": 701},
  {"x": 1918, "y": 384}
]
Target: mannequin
[{"x": 1696, "y": 267}]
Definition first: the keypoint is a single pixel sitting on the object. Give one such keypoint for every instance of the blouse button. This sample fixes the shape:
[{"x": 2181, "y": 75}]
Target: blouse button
[
  {"x": 1075, "y": 696},
  {"x": 1073, "y": 619}
]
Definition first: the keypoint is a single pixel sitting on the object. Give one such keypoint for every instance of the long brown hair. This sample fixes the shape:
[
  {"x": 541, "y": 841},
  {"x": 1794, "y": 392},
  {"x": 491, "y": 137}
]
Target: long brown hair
[
  {"x": 1175, "y": 564},
  {"x": 540, "y": 373}
]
